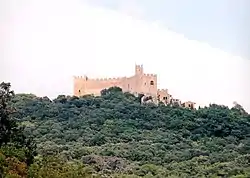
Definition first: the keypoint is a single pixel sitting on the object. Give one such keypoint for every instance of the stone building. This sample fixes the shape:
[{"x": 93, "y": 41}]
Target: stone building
[
  {"x": 139, "y": 83},
  {"x": 189, "y": 104}
]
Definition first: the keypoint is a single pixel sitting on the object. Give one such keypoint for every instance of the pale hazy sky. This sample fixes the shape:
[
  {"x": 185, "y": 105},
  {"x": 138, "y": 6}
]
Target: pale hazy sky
[
  {"x": 223, "y": 24},
  {"x": 44, "y": 43}
]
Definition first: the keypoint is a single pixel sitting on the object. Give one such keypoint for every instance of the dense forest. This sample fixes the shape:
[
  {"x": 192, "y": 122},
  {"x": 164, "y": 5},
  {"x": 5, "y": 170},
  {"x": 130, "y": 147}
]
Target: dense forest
[{"x": 114, "y": 135}]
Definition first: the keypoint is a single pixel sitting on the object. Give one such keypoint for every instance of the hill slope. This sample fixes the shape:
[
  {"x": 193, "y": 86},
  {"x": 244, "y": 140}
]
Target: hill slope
[{"x": 114, "y": 133}]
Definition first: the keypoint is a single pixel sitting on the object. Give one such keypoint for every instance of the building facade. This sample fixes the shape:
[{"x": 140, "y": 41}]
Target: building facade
[{"x": 139, "y": 83}]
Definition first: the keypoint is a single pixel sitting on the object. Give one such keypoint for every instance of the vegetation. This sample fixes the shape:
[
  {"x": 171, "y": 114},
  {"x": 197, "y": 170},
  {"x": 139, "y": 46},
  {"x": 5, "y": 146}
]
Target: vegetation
[
  {"x": 113, "y": 135},
  {"x": 16, "y": 150}
]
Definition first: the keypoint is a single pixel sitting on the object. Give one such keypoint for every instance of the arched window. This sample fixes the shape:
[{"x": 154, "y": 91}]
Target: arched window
[
  {"x": 165, "y": 98},
  {"x": 151, "y": 82},
  {"x": 79, "y": 91}
]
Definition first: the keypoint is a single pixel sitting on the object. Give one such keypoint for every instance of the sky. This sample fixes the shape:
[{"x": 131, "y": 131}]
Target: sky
[
  {"x": 43, "y": 44},
  {"x": 223, "y": 24}
]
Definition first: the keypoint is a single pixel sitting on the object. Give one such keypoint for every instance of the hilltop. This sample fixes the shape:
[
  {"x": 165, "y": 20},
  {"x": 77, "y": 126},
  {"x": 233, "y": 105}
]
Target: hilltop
[{"x": 114, "y": 135}]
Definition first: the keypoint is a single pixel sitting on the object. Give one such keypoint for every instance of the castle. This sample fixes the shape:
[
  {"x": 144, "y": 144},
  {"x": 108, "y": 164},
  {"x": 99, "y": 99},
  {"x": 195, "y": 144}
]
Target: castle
[{"x": 139, "y": 83}]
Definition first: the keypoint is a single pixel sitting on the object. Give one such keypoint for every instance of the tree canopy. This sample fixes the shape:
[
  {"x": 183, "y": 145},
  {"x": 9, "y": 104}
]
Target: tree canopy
[{"x": 117, "y": 136}]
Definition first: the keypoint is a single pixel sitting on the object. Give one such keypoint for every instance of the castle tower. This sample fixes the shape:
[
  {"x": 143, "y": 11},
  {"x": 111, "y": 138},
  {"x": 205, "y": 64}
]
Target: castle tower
[{"x": 138, "y": 69}]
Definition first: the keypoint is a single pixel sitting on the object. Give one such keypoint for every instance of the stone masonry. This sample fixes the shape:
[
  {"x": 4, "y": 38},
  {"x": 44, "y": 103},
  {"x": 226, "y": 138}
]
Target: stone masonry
[{"x": 139, "y": 83}]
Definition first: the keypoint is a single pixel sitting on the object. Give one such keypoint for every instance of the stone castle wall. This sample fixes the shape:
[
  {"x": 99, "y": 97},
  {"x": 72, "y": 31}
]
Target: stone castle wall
[{"x": 139, "y": 83}]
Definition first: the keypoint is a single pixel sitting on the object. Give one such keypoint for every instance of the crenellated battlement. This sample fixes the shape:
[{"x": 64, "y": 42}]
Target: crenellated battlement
[
  {"x": 85, "y": 78},
  {"x": 163, "y": 90},
  {"x": 150, "y": 75},
  {"x": 140, "y": 82},
  {"x": 79, "y": 77},
  {"x": 108, "y": 79}
]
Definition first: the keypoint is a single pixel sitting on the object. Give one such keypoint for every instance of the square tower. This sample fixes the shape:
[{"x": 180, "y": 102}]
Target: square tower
[{"x": 138, "y": 69}]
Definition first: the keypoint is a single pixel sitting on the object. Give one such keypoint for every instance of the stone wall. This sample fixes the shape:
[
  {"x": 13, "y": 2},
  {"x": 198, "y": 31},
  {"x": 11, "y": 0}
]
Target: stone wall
[{"x": 139, "y": 83}]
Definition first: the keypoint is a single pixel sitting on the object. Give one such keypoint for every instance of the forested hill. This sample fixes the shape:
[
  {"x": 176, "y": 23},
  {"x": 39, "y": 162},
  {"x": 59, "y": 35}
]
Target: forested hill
[{"x": 114, "y": 134}]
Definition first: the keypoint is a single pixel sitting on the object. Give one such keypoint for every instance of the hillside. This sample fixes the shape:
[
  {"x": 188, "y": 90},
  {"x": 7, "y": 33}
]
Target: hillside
[{"x": 115, "y": 135}]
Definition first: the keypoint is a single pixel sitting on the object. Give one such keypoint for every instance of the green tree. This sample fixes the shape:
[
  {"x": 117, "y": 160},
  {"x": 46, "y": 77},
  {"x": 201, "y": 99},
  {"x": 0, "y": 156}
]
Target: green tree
[
  {"x": 11, "y": 133},
  {"x": 115, "y": 135},
  {"x": 8, "y": 126}
]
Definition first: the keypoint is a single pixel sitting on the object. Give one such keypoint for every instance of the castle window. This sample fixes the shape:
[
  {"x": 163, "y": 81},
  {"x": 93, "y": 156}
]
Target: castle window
[
  {"x": 151, "y": 82},
  {"x": 79, "y": 91}
]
